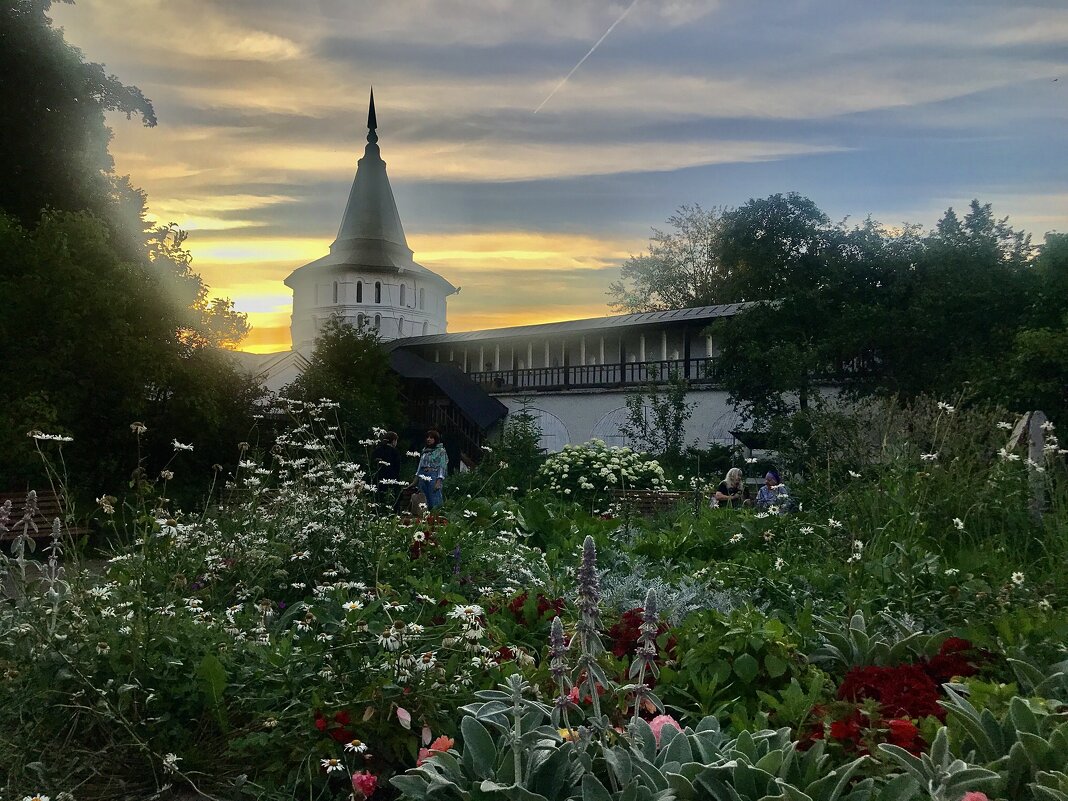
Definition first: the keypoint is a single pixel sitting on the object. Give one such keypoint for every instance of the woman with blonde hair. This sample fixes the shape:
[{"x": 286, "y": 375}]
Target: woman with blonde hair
[{"x": 731, "y": 490}]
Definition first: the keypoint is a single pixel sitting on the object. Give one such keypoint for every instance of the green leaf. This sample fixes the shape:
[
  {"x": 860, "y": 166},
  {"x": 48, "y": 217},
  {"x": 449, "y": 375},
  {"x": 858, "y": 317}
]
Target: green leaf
[
  {"x": 677, "y": 750},
  {"x": 746, "y": 668},
  {"x": 513, "y": 792},
  {"x": 971, "y": 779},
  {"x": 791, "y": 793},
  {"x": 940, "y": 747},
  {"x": 647, "y": 739},
  {"x": 593, "y": 790},
  {"x": 549, "y": 777},
  {"x": 410, "y": 786},
  {"x": 1023, "y": 718},
  {"x": 479, "y": 744},
  {"x": 900, "y": 788},
  {"x": 211, "y": 678},
  {"x": 681, "y": 786},
  {"x": 1037, "y": 749},
  {"x": 619, "y": 764},
  {"x": 775, "y": 666}
]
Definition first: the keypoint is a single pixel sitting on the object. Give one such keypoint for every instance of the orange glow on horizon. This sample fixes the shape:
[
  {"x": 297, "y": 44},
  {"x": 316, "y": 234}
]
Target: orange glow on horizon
[{"x": 270, "y": 333}]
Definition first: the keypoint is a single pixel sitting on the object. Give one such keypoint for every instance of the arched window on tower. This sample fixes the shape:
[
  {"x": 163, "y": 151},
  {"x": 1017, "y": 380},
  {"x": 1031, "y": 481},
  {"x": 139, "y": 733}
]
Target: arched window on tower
[
  {"x": 402, "y": 294},
  {"x": 400, "y": 323},
  {"x": 378, "y": 322},
  {"x": 335, "y": 291},
  {"x": 426, "y": 328},
  {"x": 422, "y": 298},
  {"x": 360, "y": 320},
  {"x": 378, "y": 291},
  {"x": 359, "y": 291}
]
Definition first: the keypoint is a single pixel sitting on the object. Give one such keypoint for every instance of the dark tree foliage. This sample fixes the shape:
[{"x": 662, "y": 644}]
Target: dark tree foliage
[
  {"x": 105, "y": 323},
  {"x": 1033, "y": 373},
  {"x": 92, "y": 342},
  {"x": 53, "y": 138},
  {"x": 350, "y": 367},
  {"x": 899, "y": 312},
  {"x": 780, "y": 242}
]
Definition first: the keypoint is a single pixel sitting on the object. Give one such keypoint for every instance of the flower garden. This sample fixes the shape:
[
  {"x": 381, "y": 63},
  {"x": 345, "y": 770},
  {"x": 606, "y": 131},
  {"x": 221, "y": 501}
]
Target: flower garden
[{"x": 900, "y": 636}]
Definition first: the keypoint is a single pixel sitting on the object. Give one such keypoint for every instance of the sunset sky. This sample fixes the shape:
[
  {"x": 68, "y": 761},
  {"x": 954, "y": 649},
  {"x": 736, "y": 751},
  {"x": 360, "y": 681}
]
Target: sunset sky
[{"x": 897, "y": 110}]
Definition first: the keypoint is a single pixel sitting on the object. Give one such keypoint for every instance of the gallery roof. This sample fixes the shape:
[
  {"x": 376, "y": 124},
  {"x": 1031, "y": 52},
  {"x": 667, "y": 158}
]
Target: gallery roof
[{"x": 670, "y": 317}]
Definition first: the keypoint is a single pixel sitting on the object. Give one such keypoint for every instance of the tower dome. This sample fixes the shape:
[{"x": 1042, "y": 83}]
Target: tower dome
[{"x": 369, "y": 278}]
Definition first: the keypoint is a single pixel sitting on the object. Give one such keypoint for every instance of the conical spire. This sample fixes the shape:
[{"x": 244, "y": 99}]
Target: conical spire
[
  {"x": 371, "y": 212},
  {"x": 372, "y": 120}
]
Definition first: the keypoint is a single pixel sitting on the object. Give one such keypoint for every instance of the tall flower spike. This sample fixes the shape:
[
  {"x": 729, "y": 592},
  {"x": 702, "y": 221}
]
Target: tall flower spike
[
  {"x": 645, "y": 656},
  {"x": 589, "y": 589},
  {"x": 558, "y": 669},
  {"x": 588, "y": 673}
]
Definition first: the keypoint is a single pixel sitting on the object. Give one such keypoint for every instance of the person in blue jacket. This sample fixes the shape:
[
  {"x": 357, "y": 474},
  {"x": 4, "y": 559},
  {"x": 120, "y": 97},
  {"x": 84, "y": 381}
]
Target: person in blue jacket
[{"x": 433, "y": 466}]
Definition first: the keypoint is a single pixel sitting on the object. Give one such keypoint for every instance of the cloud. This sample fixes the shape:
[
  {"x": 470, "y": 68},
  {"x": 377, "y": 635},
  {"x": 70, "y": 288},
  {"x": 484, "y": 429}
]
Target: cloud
[{"x": 895, "y": 107}]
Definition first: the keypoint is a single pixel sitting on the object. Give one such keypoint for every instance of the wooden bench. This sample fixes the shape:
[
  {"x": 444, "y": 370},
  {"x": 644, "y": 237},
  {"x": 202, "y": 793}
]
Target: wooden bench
[
  {"x": 49, "y": 507},
  {"x": 650, "y": 502}
]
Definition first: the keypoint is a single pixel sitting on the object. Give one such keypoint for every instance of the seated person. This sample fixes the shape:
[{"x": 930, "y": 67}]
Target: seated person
[
  {"x": 774, "y": 494},
  {"x": 731, "y": 491}
]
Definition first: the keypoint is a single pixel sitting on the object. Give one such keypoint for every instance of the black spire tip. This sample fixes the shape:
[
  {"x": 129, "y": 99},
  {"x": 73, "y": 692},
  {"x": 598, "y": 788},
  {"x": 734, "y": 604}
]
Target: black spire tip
[{"x": 372, "y": 120}]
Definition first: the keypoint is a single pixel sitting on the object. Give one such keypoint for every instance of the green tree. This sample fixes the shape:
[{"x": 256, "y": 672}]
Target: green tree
[
  {"x": 776, "y": 244},
  {"x": 681, "y": 270},
  {"x": 656, "y": 415},
  {"x": 350, "y": 367},
  {"x": 105, "y": 321},
  {"x": 93, "y": 342},
  {"x": 1033, "y": 372},
  {"x": 791, "y": 261},
  {"x": 954, "y": 310},
  {"x": 54, "y": 137}
]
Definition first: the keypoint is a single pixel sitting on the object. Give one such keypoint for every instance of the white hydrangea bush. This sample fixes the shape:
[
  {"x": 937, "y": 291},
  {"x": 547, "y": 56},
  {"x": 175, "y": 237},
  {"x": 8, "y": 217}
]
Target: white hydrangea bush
[{"x": 595, "y": 469}]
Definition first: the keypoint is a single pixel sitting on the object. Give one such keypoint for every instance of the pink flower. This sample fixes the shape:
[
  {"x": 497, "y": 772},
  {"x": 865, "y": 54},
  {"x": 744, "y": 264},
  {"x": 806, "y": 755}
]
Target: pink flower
[
  {"x": 658, "y": 723},
  {"x": 439, "y": 745},
  {"x": 363, "y": 784},
  {"x": 974, "y": 795}
]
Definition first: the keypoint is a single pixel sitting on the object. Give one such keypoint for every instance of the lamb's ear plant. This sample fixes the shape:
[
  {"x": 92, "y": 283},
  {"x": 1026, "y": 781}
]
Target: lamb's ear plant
[
  {"x": 858, "y": 646},
  {"x": 1032, "y": 680},
  {"x": 1027, "y": 739},
  {"x": 943, "y": 776},
  {"x": 1051, "y": 786}
]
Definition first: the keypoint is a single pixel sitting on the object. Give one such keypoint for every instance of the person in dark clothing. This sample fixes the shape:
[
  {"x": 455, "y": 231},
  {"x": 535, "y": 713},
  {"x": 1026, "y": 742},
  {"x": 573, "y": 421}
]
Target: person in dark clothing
[
  {"x": 731, "y": 491},
  {"x": 387, "y": 459}
]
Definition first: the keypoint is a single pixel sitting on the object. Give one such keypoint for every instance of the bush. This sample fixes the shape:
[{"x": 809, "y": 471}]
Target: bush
[{"x": 590, "y": 472}]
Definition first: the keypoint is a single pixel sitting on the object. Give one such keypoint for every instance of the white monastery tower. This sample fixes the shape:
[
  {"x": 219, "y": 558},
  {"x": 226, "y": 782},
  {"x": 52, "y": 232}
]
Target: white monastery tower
[{"x": 369, "y": 278}]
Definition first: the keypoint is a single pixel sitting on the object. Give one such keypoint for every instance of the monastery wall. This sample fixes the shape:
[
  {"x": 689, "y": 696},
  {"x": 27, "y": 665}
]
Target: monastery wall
[{"x": 578, "y": 416}]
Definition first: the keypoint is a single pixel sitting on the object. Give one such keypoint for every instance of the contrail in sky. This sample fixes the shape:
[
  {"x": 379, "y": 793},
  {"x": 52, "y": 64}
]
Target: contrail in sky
[{"x": 590, "y": 53}]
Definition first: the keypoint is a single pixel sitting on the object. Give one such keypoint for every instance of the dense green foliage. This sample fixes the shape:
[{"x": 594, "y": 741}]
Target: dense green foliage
[
  {"x": 897, "y": 312},
  {"x": 105, "y": 323},
  {"x": 349, "y": 366},
  {"x": 54, "y": 137},
  {"x": 254, "y": 649}
]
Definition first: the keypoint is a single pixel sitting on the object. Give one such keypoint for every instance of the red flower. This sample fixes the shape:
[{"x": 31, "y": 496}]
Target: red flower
[
  {"x": 342, "y": 735},
  {"x": 625, "y": 633},
  {"x": 363, "y": 784},
  {"x": 518, "y": 604},
  {"x": 342, "y": 717},
  {"x": 320, "y": 721},
  {"x": 905, "y": 691},
  {"x": 955, "y": 658},
  {"x": 903, "y": 733},
  {"x": 847, "y": 729}
]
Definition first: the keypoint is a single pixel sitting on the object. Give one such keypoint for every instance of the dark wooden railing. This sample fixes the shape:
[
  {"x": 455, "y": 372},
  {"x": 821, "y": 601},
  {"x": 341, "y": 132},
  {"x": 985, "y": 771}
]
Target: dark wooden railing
[
  {"x": 703, "y": 371},
  {"x": 595, "y": 376}
]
